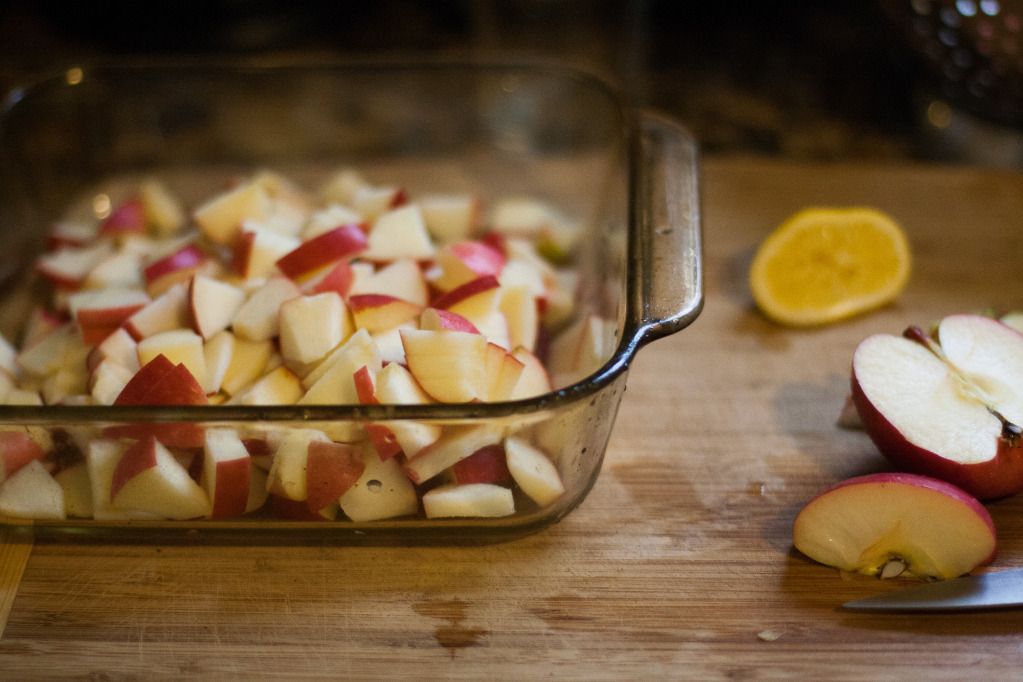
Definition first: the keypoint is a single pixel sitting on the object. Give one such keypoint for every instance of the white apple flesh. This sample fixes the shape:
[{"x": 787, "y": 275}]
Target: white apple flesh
[{"x": 885, "y": 524}]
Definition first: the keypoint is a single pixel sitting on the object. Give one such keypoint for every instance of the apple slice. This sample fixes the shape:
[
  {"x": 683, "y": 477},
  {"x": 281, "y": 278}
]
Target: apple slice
[
  {"x": 503, "y": 373},
  {"x": 32, "y": 493},
  {"x": 886, "y": 524},
  {"x": 101, "y": 458},
  {"x": 166, "y": 312},
  {"x": 312, "y": 326},
  {"x": 456, "y": 444},
  {"x": 465, "y": 261},
  {"x": 399, "y": 233},
  {"x": 475, "y": 300},
  {"x": 450, "y": 366},
  {"x": 118, "y": 347},
  {"x": 382, "y": 492},
  {"x": 401, "y": 278},
  {"x": 179, "y": 346},
  {"x": 342, "y": 186},
  {"x": 257, "y": 250},
  {"x": 337, "y": 278},
  {"x": 220, "y": 219},
  {"x": 165, "y": 272},
  {"x": 478, "y": 500},
  {"x": 380, "y": 312},
  {"x": 330, "y": 218},
  {"x": 148, "y": 478},
  {"x": 356, "y": 351},
  {"x": 212, "y": 304},
  {"x": 226, "y": 474},
  {"x": 107, "y": 381},
  {"x": 218, "y": 353},
  {"x": 99, "y": 312},
  {"x": 533, "y": 471},
  {"x": 324, "y": 249},
  {"x": 128, "y": 216},
  {"x": 534, "y": 379},
  {"x": 520, "y": 310},
  {"x": 372, "y": 202},
  {"x": 161, "y": 382},
  {"x": 259, "y": 317},
  {"x": 71, "y": 233},
  {"x": 450, "y": 217},
  {"x": 331, "y": 470},
  {"x": 121, "y": 269},
  {"x": 929, "y": 417},
  {"x": 44, "y": 357}
]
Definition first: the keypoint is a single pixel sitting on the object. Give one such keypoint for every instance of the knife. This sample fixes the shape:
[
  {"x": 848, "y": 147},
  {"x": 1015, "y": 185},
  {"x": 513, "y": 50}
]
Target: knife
[{"x": 995, "y": 590}]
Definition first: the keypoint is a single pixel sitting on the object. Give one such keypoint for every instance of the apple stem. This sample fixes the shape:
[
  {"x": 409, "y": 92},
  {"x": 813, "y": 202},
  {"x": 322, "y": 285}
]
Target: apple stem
[
  {"x": 1010, "y": 432},
  {"x": 893, "y": 568}
]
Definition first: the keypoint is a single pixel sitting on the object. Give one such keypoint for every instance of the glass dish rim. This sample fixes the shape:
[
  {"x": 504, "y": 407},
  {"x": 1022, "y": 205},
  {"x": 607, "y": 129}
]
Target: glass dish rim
[{"x": 630, "y": 338}]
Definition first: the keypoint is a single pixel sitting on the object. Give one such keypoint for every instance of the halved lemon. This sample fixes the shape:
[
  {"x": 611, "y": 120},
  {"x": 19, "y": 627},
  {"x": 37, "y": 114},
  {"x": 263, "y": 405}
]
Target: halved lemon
[{"x": 827, "y": 264}]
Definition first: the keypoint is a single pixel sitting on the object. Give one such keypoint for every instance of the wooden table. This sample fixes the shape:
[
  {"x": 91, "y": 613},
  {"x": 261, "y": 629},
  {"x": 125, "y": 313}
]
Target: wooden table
[{"x": 679, "y": 564}]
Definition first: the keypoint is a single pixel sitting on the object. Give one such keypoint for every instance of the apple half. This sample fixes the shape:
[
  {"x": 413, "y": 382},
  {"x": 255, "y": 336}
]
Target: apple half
[
  {"x": 950, "y": 408},
  {"x": 893, "y": 523}
]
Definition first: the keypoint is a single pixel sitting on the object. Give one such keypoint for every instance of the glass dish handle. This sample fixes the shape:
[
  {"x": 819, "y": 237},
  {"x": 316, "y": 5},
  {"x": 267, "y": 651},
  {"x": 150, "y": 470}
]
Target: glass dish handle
[{"x": 667, "y": 269}]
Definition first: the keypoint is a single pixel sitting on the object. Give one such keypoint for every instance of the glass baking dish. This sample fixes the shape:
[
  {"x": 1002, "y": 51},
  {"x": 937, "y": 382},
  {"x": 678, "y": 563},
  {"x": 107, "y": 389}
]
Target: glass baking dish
[{"x": 629, "y": 176}]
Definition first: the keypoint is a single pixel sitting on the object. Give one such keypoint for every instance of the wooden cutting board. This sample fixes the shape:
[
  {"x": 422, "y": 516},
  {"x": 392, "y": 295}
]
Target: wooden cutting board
[{"x": 679, "y": 564}]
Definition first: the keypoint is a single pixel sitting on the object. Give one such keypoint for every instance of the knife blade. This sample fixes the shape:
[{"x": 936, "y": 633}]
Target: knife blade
[{"x": 995, "y": 590}]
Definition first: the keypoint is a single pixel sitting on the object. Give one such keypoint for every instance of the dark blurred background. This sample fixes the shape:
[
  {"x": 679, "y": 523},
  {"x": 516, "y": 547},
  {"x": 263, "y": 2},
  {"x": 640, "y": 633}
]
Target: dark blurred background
[{"x": 847, "y": 79}]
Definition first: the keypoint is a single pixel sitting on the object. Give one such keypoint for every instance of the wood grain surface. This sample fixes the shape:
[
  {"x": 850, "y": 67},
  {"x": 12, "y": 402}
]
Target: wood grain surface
[{"x": 678, "y": 565}]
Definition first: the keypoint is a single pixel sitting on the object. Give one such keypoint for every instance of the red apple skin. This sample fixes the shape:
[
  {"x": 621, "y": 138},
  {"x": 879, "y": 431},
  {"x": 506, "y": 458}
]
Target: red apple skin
[
  {"x": 470, "y": 288},
  {"x": 160, "y": 382},
  {"x": 186, "y": 257},
  {"x": 130, "y": 216},
  {"x": 998, "y": 477},
  {"x": 98, "y": 324},
  {"x": 18, "y": 449},
  {"x": 232, "y": 493},
  {"x": 383, "y": 440},
  {"x": 486, "y": 465},
  {"x": 257, "y": 447},
  {"x": 328, "y": 247},
  {"x": 241, "y": 252},
  {"x": 364, "y": 387},
  {"x": 447, "y": 320},
  {"x": 923, "y": 481},
  {"x": 138, "y": 458},
  {"x": 480, "y": 257},
  {"x": 331, "y": 469},
  {"x": 339, "y": 279}
]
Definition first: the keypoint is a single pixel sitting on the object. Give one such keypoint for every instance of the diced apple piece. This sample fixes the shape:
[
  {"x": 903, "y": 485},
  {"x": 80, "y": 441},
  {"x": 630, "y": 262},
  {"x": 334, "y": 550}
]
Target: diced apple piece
[
  {"x": 331, "y": 470},
  {"x": 494, "y": 327},
  {"x": 519, "y": 272},
  {"x": 322, "y": 250},
  {"x": 166, "y": 312},
  {"x": 180, "y": 346},
  {"x": 365, "y": 386},
  {"x": 534, "y": 473},
  {"x": 436, "y": 320},
  {"x": 401, "y": 278},
  {"x": 399, "y": 233},
  {"x": 40, "y": 323},
  {"x": 68, "y": 267},
  {"x": 288, "y": 473},
  {"x": 17, "y": 449},
  {"x": 162, "y": 209},
  {"x": 220, "y": 219},
  {"x": 337, "y": 278},
  {"x": 74, "y": 482},
  {"x": 389, "y": 343},
  {"x": 148, "y": 478},
  {"x": 373, "y": 202},
  {"x": 522, "y": 315},
  {"x": 379, "y": 312},
  {"x": 101, "y": 458},
  {"x": 280, "y": 386},
  {"x": 456, "y": 444},
  {"x": 330, "y": 218},
  {"x": 474, "y": 300},
  {"x": 212, "y": 304},
  {"x": 863, "y": 524},
  {"x": 450, "y": 218},
  {"x": 31, "y": 493},
  {"x": 257, "y": 489},
  {"x": 486, "y": 465},
  {"x": 249, "y": 361},
  {"x": 382, "y": 492},
  {"x": 342, "y": 186},
  {"x": 179, "y": 266},
  {"x": 99, "y": 312},
  {"x": 161, "y": 382},
  {"x": 218, "y": 353},
  {"x": 356, "y": 351},
  {"x": 71, "y": 233},
  {"x": 465, "y": 261},
  {"x": 503, "y": 373},
  {"x": 44, "y": 357},
  {"x": 108, "y": 380},
  {"x": 311, "y": 326},
  {"x": 128, "y": 216},
  {"x": 258, "y": 319},
  {"x": 534, "y": 380},
  {"x": 450, "y": 366},
  {"x": 581, "y": 349},
  {"x": 121, "y": 269},
  {"x": 480, "y": 500},
  {"x": 226, "y": 474},
  {"x": 258, "y": 249}
]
